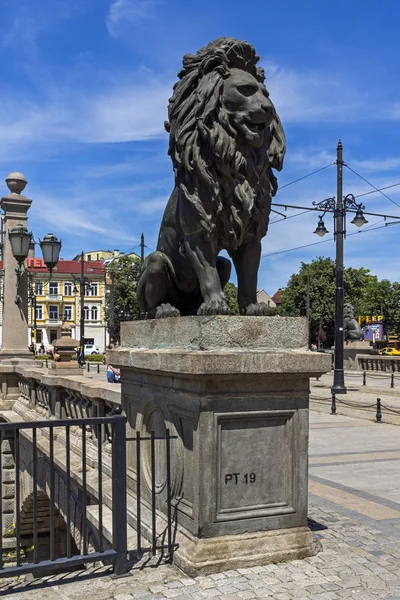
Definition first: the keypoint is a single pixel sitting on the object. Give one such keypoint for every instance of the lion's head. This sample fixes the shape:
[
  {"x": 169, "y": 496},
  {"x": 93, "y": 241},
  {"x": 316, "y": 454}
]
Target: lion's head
[
  {"x": 225, "y": 137},
  {"x": 348, "y": 311}
]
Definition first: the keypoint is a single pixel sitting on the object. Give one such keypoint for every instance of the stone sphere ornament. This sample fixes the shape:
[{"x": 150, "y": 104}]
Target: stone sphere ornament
[{"x": 16, "y": 182}]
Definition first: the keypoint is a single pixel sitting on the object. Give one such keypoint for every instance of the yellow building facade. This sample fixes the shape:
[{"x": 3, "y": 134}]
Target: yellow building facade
[{"x": 56, "y": 299}]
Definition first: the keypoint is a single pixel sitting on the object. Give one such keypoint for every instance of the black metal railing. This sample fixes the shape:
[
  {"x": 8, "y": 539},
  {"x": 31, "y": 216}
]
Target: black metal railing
[
  {"x": 166, "y": 542},
  {"x": 58, "y": 469},
  {"x": 41, "y": 437}
]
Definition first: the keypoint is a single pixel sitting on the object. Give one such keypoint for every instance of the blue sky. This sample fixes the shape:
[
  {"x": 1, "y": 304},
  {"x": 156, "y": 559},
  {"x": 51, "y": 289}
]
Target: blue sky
[{"x": 84, "y": 92}]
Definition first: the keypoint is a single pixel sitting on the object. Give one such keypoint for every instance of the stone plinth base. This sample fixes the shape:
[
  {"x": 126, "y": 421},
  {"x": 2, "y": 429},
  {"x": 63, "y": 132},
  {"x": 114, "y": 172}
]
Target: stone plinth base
[
  {"x": 234, "y": 391},
  {"x": 352, "y": 349},
  {"x": 211, "y": 555},
  {"x": 65, "y": 368}
]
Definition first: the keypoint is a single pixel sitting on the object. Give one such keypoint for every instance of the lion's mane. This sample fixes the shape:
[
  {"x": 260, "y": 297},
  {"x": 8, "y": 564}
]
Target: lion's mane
[{"x": 204, "y": 150}]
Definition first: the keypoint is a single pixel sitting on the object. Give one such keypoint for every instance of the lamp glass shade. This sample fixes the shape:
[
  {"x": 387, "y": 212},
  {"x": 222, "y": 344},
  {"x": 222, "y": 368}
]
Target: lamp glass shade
[
  {"x": 20, "y": 239},
  {"x": 321, "y": 229},
  {"x": 359, "y": 220},
  {"x": 51, "y": 247}
]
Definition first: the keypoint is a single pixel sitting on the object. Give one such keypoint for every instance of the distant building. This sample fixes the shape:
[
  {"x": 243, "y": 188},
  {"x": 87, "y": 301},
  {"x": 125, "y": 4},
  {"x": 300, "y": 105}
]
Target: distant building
[
  {"x": 58, "y": 300},
  {"x": 104, "y": 255},
  {"x": 277, "y": 297},
  {"x": 262, "y": 296},
  {"x": 97, "y": 255}
]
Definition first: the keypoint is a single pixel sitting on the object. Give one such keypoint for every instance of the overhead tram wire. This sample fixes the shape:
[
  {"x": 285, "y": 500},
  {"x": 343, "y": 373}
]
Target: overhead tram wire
[
  {"x": 305, "y": 176},
  {"x": 371, "y": 184},
  {"x": 276, "y": 220},
  {"x": 380, "y": 190},
  {"x": 328, "y": 240}
]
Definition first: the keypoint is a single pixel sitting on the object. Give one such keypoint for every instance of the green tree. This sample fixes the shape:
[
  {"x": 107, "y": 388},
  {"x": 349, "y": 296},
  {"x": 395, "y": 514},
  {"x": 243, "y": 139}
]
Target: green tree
[
  {"x": 123, "y": 275},
  {"x": 231, "y": 293},
  {"x": 364, "y": 291}
]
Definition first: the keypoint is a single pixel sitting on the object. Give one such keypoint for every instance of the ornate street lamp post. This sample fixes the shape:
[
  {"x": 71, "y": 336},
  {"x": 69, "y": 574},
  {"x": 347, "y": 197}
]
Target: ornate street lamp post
[{"x": 339, "y": 206}]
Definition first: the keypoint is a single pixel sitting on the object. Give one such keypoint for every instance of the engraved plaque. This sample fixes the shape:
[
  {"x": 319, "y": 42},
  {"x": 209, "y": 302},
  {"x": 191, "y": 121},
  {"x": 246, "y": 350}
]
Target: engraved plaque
[{"x": 254, "y": 464}]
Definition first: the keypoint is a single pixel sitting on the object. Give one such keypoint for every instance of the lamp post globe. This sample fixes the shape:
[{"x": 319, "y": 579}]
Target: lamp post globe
[
  {"x": 20, "y": 239},
  {"x": 50, "y": 247},
  {"x": 359, "y": 220},
  {"x": 321, "y": 230}
]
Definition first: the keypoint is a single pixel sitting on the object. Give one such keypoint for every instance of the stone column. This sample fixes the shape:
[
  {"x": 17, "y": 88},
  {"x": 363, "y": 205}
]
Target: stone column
[
  {"x": 15, "y": 316},
  {"x": 235, "y": 392}
]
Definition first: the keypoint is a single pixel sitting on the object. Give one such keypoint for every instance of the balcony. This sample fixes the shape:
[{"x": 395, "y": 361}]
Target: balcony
[
  {"x": 53, "y": 298},
  {"x": 57, "y": 322}
]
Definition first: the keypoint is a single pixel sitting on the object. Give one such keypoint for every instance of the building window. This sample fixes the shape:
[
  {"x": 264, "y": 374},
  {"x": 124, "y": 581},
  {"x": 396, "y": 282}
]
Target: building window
[
  {"x": 86, "y": 312},
  {"x": 38, "y": 288},
  {"x": 94, "y": 313},
  {"x": 39, "y": 336},
  {"x": 67, "y": 289},
  {"x": 53, "y": 288},
  {"x": 89, "y": 257},
  {"x": 53, "y": 313},
  {"x": 68, "y": 313},
  {"x": 39, "y": 312},
  {"x": 92, "y": 289}
]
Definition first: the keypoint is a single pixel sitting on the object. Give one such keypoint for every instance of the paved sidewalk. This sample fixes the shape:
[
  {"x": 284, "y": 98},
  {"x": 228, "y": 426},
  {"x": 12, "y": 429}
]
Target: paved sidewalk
[
  {"x": 355, "y": 511},
  {"x": 360, "y": 400}
]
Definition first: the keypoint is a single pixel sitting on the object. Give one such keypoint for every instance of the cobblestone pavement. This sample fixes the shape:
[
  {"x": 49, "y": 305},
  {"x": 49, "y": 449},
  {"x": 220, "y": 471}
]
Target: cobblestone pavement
[{"x": 354, "y": 510}]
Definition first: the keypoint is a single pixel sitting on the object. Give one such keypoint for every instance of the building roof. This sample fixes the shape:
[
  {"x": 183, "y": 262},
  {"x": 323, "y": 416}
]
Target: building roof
[
  {"x": 277, "y": 297},
  {"x": 71, "y": 267}
]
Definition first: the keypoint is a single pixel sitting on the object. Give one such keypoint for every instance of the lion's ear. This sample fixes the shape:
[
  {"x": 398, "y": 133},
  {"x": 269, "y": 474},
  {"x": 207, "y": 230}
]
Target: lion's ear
[{"x": 277, "y": 148}]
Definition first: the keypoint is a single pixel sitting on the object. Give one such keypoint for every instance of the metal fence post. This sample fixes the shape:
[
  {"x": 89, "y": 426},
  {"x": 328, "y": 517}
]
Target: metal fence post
[
  {"x": 378, "y": 411},
  {"x": 364, "y": 378},
  {"x": 392, "y": 381},
  {"x": 120, "y": 543},
  {"x": 333, "y": 407}
]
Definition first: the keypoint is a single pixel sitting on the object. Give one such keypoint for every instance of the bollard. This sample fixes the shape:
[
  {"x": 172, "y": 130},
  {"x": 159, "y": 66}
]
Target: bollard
[
  {"x": 88, "y": 366},
  {"x": 378, "y": 411},
  {"x": 333, "y": 407},
  {"x": 98, "y": 367},
  {"x": 364, "y": 378},
  {"x": 392, "y": 381},
  {"x": 47, "y": 363}
]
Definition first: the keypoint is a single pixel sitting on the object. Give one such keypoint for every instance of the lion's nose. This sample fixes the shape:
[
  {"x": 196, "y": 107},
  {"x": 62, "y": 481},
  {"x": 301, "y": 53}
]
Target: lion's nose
[{"x": 267, "y": 108}]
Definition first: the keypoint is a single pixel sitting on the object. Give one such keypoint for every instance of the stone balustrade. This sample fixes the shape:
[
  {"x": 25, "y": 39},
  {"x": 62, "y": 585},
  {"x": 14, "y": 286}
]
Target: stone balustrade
[{"x": 386, "y": 364}]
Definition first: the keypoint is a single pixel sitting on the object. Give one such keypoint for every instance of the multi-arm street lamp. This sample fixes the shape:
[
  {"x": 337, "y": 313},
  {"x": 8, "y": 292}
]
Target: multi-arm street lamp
[
  {"x": 339, "y": 206},
  {"x": 20, "y": 240},
  {"x": 84, "y": 285}
]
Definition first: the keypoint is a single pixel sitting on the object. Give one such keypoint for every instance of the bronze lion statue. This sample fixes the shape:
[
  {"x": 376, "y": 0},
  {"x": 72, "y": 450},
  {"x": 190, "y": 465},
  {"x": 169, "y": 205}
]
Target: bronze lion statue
[
  {"x": 352, "y": 330},
  {"x": 225, "y": 138}
]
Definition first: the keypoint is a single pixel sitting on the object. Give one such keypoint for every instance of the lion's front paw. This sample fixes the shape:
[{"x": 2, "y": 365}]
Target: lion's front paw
[
  {"x": 260, "y": 309},
  {"x": 214, "y": 307},
  {"x": 166, "y": 310}
]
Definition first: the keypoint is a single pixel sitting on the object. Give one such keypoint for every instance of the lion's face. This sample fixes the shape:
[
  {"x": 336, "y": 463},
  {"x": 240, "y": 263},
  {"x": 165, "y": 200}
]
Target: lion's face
[{"x": 247, "y": 103}]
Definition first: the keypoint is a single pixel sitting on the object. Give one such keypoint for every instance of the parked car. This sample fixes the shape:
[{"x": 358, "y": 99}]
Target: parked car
[
  {"x": 93, "y": 349},
  {"x": 389, "y": 351}
]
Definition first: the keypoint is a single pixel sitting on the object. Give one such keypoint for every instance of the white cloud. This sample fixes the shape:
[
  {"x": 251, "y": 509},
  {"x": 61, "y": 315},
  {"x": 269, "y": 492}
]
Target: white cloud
[
  {"x": 129, "y": 112},
  {"x": 378, "y": 164},
  {"x": 302, "y": 96},
  {"x": 123, "y": 12},
  {"x": 393, "y": 111}
]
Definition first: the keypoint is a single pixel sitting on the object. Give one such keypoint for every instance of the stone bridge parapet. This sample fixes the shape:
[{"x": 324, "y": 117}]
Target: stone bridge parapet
[{"x": 33, "y": 394}]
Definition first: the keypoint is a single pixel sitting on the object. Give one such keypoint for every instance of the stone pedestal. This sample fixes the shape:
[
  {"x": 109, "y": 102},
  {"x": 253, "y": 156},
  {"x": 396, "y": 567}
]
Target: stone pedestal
[
  {"x": 235, "y": 391},
  {"x": 352, "y": 349},
  {"x": 15, "y": 316}
]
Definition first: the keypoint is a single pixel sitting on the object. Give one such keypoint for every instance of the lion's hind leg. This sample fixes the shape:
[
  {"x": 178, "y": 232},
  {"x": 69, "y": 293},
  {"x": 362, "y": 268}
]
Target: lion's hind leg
[{"x": 155, "y": 285}]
